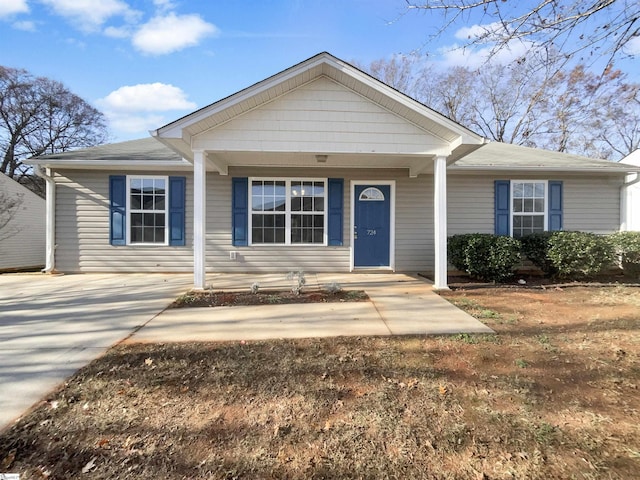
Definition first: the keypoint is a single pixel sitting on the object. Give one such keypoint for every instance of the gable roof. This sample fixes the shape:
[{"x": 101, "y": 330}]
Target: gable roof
[
  {"x": 506, "y": 156},
  {"x": 179, "y": 133}
]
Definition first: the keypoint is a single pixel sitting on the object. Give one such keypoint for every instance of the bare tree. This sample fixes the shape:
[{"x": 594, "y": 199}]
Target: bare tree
[
  {"x": 537, "y": 103},
  {"x": 587, "y": 27},
  {"x": 41, "y": 116},
  {"x": 9, "y": 207}
]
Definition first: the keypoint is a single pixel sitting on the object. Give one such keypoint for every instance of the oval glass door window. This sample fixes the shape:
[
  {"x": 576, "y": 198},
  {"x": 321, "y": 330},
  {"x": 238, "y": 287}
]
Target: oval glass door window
[{"x": 371, "y": 194}]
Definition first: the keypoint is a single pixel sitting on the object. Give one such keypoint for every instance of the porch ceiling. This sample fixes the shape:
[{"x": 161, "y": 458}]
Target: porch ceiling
[{"x": 222, "y": 161}]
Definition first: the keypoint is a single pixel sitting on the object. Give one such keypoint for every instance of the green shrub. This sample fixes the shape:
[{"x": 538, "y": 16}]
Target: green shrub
[
  {"x": 579, "y": 254},
  {"x": 456, "y": 246},
  {"x": 483, "y": 256},
  {"x": 536, "y": 248},
  {"x": 627, "y": 248}
]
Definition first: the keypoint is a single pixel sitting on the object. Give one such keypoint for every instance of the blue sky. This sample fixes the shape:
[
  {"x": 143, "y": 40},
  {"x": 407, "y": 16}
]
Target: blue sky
[{"x": 147, "y": 62}]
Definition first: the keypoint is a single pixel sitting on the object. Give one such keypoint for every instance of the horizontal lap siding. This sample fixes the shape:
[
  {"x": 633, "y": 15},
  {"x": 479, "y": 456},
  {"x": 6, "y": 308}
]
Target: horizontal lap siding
[
  {"x": 22, "y": 239},
  {"x": 470, "y": 204},
  {"x": 322, "y": 116},
  {"x": 414, "y": 225},
  {"x": 591, "y": 203},
  {"x": 82, "y": 230}
]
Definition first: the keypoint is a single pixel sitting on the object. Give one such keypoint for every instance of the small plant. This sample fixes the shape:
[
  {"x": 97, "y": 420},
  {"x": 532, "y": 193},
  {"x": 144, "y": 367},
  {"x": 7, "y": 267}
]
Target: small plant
[
  {"x": 255, "y": 287},
  {"x": 333, "y": 287},
  {"x": 580, "y": 254},
  {"x": 521, "y": 363},
  {"x": 466, "y": 338},
  {"x": 299, "y": 281}
]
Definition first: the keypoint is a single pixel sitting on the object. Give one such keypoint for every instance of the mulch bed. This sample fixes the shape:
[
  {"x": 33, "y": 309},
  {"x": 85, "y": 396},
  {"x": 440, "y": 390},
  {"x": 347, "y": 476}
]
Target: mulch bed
[{"x": 266, "y": 297}]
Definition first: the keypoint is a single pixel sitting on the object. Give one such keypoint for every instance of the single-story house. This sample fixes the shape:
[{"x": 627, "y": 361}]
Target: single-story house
[
  {"x": 320, "y": 167},
  {"x": 22, "y": 228},
  {"x": 631, "y": 201}
]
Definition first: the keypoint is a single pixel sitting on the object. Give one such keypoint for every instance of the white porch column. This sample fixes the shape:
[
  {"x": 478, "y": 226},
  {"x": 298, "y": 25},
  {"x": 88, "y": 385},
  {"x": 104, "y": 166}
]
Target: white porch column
[
  {"x": 440, "y": 222},
  {"x": 199, "y": 218}
]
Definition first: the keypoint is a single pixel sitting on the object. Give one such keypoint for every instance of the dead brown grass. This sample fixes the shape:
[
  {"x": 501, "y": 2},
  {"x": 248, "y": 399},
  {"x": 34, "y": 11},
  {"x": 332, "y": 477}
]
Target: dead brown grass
[{"x": 553, "y": 395}]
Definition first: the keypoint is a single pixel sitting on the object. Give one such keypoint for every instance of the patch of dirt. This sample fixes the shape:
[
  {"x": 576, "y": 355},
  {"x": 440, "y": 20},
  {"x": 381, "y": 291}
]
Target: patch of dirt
[
  {"x": 266, "y": 297},
  {"x": 554, "y": 394}
]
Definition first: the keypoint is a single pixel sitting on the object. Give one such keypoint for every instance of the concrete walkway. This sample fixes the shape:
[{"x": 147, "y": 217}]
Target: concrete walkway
[
  {"x": 400, "y": 305},
  {"x": 50, "y": 326}
]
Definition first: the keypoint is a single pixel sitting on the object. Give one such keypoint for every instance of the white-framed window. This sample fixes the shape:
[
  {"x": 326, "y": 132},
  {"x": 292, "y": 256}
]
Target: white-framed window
[
  {"x": 147, "y": 204},
  {"x": 528, "y": 207},
  {"x": 288, "y": 211}
]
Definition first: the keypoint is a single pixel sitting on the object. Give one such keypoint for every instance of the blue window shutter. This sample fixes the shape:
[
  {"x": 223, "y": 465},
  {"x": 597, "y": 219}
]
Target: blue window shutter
[
  {"x": 502, "y": 194},
  {"x": 335, "y": 211},
  {"x": 117, "y": 209},
  {"x": 555, "y": 205},
  {"x": 177, "y": 199},
  {"x": 240, "y": 211}
]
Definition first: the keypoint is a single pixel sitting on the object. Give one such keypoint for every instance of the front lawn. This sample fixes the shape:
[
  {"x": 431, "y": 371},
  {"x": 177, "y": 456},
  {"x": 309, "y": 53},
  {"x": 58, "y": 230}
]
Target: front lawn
[{"x": 553, "y": 395}]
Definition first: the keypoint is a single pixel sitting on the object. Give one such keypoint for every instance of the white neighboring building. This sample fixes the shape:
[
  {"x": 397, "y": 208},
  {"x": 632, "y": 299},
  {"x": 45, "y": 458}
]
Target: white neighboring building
[
  {"x": 22, "y": 240},
  {"x": 631, "y": 198}
]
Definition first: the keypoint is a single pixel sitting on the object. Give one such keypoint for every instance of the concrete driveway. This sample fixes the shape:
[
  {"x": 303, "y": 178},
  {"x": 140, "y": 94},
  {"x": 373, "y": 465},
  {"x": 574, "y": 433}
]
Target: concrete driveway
[{"x": 50, "y": 326}]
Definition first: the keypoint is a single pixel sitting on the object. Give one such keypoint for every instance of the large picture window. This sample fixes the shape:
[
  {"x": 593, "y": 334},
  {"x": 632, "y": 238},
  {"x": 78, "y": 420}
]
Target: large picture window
[
  {"x": 528, "y": 207},
  {"x": 147, "y": 210},
  {"x": 288, "y": 211}
]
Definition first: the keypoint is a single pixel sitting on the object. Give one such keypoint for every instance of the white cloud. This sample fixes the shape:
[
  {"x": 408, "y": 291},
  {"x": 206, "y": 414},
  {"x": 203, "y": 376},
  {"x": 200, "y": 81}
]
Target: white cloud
[
  {"x": 25, "y": 25},
  {"x": 139, "y": 124},
  {"x": 136, "y": 108},
  {"x": 475, "y": 32},
  {"x": 89, "y": 15},
  {"x": 146, "y": 97},
  {"x": 170, "y": 33},
  {"x": 117, "y": 32},
  {"x": 458, "y": 56},
  {"x": 164, "y": 5},
  {"x": 11, "y": 7},
  {"x": 633, "y": 46}
]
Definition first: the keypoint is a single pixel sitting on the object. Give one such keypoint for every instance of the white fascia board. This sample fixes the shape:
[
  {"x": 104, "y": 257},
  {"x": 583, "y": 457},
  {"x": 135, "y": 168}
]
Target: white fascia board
[
  {"x": 459, "y": 168},
  {"x": 115, "y": 165}
]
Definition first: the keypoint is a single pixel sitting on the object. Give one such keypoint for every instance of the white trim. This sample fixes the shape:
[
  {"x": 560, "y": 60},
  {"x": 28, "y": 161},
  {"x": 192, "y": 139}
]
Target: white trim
[
  {"x": 288, "y": 212},
  {"x": 166, "y": 210},
  {"x": 545, "y": 214},
  {"x": 199, "y": 219},
  {"x": 392, "y": 221},
  {"x": 440, "y": 223}
]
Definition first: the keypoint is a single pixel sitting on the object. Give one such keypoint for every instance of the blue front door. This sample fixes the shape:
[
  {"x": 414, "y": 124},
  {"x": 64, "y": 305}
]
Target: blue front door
[{"x": 372, "y": 226}]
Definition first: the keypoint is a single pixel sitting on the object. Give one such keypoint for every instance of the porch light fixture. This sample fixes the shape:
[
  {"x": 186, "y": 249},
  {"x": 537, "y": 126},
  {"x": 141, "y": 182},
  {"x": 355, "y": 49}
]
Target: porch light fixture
[{"x": 321, "y": 158}]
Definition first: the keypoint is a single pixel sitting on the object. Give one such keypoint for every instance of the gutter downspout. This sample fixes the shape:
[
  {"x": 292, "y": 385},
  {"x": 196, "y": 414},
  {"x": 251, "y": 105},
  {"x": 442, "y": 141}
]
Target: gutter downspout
[{"x": 50, "y": 218}]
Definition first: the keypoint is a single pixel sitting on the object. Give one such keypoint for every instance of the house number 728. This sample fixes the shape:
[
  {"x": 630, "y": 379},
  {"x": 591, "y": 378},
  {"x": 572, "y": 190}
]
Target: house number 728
[{"x": 371, "y": 232}]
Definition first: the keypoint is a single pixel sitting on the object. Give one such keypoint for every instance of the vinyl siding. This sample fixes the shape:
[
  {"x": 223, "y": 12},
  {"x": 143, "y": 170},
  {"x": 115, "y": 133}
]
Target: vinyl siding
[
  {"x": 82, "y": 230},
  {"x": 82, "y": 227},
  {"x": 414, "y": 225},
  {"x": 322, "y": 116},
  {"x": 22, "y": 240},
  {"x": 591, "y": 203}
]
